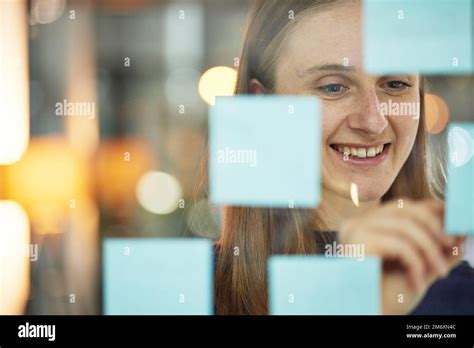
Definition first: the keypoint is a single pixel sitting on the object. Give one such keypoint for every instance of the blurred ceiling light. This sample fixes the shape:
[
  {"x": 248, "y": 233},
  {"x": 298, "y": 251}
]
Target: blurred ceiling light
[
  {"x": 14, "y": 258},
  {"x": 45, "y": 181},
  {"x": 158, "y": 192},
  {"x": 46, "y": 11},
  {"x": 217, "y": 81},
  {"x": 14, "y": 93},
  {"x": 436, "y": 113}
]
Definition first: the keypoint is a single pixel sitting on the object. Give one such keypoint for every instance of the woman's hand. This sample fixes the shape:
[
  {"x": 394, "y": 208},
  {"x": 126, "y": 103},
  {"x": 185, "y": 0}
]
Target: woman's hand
[{"x": 412, "y": 245}]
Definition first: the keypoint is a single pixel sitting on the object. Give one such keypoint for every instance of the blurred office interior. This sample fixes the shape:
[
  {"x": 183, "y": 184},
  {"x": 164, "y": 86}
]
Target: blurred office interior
[{"x": 112, "y": 98}]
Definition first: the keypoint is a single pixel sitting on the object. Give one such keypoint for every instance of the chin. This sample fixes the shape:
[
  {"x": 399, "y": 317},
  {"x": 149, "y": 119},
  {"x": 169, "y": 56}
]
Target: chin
[
  {"x": 369, "y": 187},
  {"x": 371, "y": 194},
  {"x": 371, "y": 190}
]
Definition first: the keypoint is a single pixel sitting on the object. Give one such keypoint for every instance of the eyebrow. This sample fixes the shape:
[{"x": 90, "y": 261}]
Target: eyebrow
[{"x": 330, "y": 67}]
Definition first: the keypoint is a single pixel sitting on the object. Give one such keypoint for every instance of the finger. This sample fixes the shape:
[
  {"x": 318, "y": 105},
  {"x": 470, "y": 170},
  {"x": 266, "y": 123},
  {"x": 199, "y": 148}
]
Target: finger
[
  {"x": 438, "y": 207},
  {"x": 430, "y": 215},
  {"x": 423, "y": 241},
  {"x": 390, "y": 247},
  {"x": 436, "y": 204}
]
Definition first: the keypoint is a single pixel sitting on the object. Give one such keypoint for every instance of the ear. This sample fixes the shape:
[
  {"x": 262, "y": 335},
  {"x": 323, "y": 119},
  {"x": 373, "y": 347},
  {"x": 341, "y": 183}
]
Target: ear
[{"x": 255, "y": 87}]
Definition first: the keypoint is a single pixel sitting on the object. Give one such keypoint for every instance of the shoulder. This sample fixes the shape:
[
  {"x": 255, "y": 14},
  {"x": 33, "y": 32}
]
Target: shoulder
[{"x": 452, "y": 295}]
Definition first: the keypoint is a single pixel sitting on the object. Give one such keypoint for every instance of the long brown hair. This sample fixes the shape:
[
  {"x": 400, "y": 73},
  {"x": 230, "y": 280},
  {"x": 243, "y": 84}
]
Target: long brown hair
[{"x": 250, "y": 235}]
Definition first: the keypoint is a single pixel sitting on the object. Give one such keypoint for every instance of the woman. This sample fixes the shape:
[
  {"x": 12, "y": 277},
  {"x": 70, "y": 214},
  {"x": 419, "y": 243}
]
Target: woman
[{"x": 304, "y": 47}]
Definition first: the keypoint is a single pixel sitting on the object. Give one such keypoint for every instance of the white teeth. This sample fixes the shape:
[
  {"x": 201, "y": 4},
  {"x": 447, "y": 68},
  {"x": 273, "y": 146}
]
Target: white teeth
[
  {"x": 371, "y": 152},
  {"x": 361, "y": 153}
]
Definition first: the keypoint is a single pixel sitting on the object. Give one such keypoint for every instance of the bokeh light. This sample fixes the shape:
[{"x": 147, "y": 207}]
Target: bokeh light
[
  {"x": 217, "y": 81},
  {"x": 436, "y": 114},
  {"x": 14, "y": 89},
  {"x": 461, "y": 146},
  {"x": 14, "y": 258},
  {"x": 123, "y": 161},
  {"x": 45, "y": 181},
  {"x": 158, "y": 192},
  {"x": 46, "y": 11}
]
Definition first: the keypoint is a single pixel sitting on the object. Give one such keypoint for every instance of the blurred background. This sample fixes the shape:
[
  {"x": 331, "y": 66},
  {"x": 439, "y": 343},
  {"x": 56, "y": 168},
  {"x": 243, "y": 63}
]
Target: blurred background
[{"x": 103, "y": 119}]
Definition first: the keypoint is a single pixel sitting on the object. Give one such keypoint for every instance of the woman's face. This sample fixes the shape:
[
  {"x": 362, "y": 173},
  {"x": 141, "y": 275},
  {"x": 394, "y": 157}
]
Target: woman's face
[{"x": 323, "y": 57}]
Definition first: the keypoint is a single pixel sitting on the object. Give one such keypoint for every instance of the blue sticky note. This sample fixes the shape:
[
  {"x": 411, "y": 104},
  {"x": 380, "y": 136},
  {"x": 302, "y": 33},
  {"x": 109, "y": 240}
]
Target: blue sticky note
[
  {"x": 317, "y": 285},
  {"x": 459, "y": 211},
  {"x": 265, "y": 151},
  {"x": 158, "y": 276},
  {"x": 426, "y": 36}
]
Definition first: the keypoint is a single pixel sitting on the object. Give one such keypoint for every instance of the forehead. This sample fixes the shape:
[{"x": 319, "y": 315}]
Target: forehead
[{"x": 331, "y": 36}]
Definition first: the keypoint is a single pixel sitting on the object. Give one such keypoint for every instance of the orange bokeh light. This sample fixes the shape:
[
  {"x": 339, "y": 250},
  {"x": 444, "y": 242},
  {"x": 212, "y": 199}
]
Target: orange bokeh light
[
  {"x": 120, "y": 164},
  {"x": 45, "y": 181},
  {"x": 436, "y": 114}
]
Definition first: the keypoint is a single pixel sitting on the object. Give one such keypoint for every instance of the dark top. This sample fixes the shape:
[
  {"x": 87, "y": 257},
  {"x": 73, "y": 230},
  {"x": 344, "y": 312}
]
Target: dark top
[{"x": 452, "y": 295}]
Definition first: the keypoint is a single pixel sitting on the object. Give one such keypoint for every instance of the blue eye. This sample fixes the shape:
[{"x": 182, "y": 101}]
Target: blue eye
[
  {"x": 397, "y": 85},
  {"x": 332, "y": 89}
]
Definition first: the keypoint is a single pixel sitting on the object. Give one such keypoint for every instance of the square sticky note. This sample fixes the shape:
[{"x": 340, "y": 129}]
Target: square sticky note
[
  {"x": 426, "y": 36},
  {"x": 459, "y": 211},
  {"x": 158, "y": 276},
  {"x": 265, "y": 151},
  {"x": 313, "y": 285}
]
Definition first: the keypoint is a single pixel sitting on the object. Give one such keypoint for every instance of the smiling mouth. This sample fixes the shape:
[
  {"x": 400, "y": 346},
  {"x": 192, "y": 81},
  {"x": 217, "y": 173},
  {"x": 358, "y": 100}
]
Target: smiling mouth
[{"x": 361, "y": 152}]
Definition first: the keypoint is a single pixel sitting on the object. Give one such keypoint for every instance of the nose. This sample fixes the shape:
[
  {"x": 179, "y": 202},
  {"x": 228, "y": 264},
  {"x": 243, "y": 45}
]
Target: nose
[{"x": 369, "y": 118}]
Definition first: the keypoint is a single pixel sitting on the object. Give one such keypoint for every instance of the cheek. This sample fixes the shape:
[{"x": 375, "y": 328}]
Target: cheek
[
  {"x": 405, "y": 129},
  {"x": 332, "y": 117}
]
